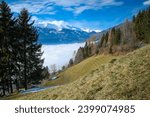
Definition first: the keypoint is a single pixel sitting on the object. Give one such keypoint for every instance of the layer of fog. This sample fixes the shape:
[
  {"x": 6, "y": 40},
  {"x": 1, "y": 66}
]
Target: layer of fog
[{"x": 59, "y": 54}]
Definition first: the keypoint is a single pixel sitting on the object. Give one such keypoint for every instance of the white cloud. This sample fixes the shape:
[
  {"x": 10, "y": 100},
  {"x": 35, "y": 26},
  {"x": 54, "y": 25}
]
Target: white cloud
[
  {"x": 110, "y": 2},
  {"x": 147, "y": 2},
  {"x": 59, "y": 54},
  {"x": 76, "y": 6},
  {"x": 32, "y": 8},
  {"x": 35, "y": 7},
  {"x": 79, "y": 10}
]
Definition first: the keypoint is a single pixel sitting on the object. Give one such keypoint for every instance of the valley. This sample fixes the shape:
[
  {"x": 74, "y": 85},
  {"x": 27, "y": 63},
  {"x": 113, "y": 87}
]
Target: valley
[{"x": 75, "y": 54}]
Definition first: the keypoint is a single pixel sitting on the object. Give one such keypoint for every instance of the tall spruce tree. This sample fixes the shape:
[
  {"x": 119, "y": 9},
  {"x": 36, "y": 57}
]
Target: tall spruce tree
[
  {"x": 117, "y": 38},
  {"x": 6, "y": 46},
  {"x": 35, "y": 61},
  {"x": 30, "y": 51}
]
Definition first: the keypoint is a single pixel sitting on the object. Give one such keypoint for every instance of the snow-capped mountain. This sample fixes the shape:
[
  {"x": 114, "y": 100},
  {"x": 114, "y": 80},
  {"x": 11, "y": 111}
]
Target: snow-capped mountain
[
  {"x": 51, "y": 33},
  {"x": 58, "y": 25}
]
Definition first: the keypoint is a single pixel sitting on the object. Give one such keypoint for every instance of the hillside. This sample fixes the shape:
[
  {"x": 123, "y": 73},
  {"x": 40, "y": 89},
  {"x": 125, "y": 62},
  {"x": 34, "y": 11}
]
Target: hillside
[
  {"x": 119, "y": 39},
  {"x": 75, "y": 72},
  {"x": 127, "y": 77}
]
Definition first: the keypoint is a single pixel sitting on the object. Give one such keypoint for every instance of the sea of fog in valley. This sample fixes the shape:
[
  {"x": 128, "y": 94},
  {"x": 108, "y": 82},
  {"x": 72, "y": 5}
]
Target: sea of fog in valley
[{"x": 59, "y": 54}]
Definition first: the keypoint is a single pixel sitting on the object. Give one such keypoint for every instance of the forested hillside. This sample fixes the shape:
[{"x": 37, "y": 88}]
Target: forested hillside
[{"x": 121, "y": 39}]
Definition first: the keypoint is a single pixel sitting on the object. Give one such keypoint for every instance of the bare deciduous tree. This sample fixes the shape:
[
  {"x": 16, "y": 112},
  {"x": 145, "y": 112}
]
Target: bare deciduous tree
[{"x": 53, "y": 68}]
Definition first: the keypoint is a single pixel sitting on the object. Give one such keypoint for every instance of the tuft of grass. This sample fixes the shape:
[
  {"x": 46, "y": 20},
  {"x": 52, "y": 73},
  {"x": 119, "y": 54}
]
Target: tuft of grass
[
  {"x": 12, "y": 96},
  {"x": 125, "y": 78}
]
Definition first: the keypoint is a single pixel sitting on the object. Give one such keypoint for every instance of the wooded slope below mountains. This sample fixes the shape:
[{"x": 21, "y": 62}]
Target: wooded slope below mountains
[{"x": 120, "y": 39}]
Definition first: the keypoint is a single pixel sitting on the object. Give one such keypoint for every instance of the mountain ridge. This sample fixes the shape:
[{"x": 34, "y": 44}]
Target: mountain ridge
[{"x": 65, "y": 35}]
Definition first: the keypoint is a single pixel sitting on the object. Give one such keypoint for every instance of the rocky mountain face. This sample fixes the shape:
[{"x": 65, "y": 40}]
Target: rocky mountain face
[{"x": 51, "y": 35}]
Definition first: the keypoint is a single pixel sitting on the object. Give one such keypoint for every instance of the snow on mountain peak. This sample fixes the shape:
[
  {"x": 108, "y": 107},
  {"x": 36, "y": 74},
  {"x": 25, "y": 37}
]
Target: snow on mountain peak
[
  {"x": 89, "y": 30},
  {"x": 59, "y": 25}
]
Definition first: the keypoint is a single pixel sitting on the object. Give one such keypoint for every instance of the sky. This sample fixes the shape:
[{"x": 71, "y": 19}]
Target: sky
[{"x": 87, "y": 14}]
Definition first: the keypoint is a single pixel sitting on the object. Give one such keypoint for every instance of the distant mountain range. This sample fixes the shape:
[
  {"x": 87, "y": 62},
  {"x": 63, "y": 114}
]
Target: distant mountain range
[{"x": 64, "y": 34}]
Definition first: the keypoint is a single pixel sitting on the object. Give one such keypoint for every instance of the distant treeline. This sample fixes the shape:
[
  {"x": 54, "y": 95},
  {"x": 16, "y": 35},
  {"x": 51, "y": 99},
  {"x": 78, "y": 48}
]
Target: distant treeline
[
  {"x": 20, "y": 53},
  {"x": 119, "y": 39}
]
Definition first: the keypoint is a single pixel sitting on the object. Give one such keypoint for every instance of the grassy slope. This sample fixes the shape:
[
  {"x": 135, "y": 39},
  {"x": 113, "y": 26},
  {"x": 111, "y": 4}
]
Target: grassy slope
[
  {"x": 125, "y": 78},
  {"x": 79, "y": 70}
]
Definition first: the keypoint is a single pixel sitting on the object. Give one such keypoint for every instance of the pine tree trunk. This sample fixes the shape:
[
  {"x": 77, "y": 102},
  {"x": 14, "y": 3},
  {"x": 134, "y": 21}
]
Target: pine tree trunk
[
  {"x": 17, "y": 85},
  {"x": 25, "y": 75},
  {"x": 11, "y": 87},
  {"x": 8, "y": 87},
  {"x": 3, "y": 87},
  {"x": 25, "y": 66}
]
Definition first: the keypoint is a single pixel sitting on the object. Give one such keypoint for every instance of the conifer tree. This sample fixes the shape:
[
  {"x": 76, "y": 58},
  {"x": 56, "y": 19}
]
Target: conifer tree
[
  {"x": 6, "y": 44},
  {"x": 20, "y": 53},
  {"x": 117, "y": 37},
  {"x": 142, "y": 25},
  {"x": 70, "y": 62},
  {"x": 86, "y": 50},
  {"x": 30, "y": 50},
  {"x": 102, "y": 41}
]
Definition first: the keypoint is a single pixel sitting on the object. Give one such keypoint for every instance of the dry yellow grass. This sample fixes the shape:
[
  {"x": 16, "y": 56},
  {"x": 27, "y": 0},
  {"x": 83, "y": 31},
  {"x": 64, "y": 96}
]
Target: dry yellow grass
[
  {"x": 82, "y": 69},
  {"x": 125, "y": 78}
]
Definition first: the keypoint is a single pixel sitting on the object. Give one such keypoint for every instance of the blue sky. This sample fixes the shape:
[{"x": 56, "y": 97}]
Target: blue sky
[{"x": 90, "y": 14}]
